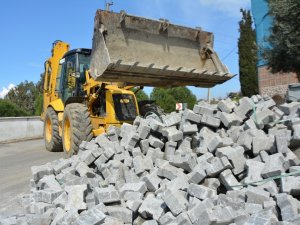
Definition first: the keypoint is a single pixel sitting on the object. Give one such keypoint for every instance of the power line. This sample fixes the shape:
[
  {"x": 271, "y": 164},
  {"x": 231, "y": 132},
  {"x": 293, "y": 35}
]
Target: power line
[{"x": 229, "y": 53}]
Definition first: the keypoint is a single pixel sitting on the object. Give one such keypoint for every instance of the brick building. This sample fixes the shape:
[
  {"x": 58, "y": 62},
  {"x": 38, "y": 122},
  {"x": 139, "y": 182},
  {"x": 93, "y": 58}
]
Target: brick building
[{"x": 274, "y": 85}]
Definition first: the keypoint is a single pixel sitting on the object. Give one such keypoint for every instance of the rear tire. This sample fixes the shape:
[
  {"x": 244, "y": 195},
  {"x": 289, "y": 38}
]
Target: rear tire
[
  {"x": 76, "y": 127},
  {"x": 53, "y": 142}
]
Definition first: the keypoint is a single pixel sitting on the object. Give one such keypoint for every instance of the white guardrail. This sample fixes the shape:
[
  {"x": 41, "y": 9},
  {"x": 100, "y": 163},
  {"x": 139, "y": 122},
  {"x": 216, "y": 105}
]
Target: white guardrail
[{"x": 20, "y": 128}]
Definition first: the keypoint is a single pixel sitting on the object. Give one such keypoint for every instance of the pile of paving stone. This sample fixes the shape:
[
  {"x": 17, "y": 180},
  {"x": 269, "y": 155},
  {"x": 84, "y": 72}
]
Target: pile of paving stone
[{"x": 228, "y": 163}]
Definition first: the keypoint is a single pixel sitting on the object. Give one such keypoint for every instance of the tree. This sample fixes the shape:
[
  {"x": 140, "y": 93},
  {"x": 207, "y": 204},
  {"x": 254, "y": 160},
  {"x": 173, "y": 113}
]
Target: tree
[
  {"x": 284, "y": 53},
  {"x": 23, "y": 95},
  {"x": 247, "y": 55},
  {"x": 141, "y": 95},
  {"x": 8, "y": 109},
  {"x": 167, "y": 98},
  {"x": 28, "y": 96}
]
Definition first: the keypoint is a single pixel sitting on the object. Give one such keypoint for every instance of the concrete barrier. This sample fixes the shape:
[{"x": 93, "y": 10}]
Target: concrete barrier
[{"x": 20, "y": 128}]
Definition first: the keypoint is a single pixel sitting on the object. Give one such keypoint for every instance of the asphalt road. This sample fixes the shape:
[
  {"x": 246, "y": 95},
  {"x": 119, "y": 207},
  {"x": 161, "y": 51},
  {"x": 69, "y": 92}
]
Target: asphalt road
[{"x": 16, "y": 160}]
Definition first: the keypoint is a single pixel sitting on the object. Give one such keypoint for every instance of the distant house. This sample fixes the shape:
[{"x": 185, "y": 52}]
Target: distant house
[{"x": 274, "y": 85}]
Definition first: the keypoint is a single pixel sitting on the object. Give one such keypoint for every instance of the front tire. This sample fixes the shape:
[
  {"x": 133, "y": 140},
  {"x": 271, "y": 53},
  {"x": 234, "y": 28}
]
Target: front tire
[
  {"x": 53, "y": 142},
  {"x": 76, "y": 127}
]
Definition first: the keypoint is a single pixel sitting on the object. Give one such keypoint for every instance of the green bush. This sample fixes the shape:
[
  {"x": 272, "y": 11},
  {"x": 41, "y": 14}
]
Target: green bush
[{"x": 8, "y": 109}]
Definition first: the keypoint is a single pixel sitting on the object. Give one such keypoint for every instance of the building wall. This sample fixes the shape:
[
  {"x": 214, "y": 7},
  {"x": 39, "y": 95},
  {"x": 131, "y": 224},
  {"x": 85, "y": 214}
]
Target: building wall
[
  {"x": 274, "y": 84},
  {"x": 269, "y": 84}
]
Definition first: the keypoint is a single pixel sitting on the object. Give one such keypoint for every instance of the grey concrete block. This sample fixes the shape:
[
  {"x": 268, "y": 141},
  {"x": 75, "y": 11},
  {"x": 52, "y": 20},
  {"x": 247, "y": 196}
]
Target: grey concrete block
[
  {"x": 61, "y": 164},
  {"x": 229, "y": 181},
  {"x": 61, "y": 200},
  {"x": 226, "y": 105},
  {"x": 151, "y": 208},
  {"x": 245, "y": 138},
  {"x": 261, "y": 143},
  {"x": 214, "y": 143},
  {"x": 134, "y": 205},
  {"x": 168, "y": 171},
  {"x": 201, "y": 192},
  {"x": 130, "y": 141},
  {"x": 263, "y": 118},
  {"x": 91, "y": 217},
  {"x": 139, "y": 164},
  {"x": 189, "y": 129},
  {"x": 197, "y": 175},
  {"x": 282, "y": 143},
  {"x": 100, "y": 161},
  {"x": 288, "y": 206},
  {"x": 76, "y": 197},
  {"x": 256, "y": 195},
  {"x": 275, "y": 165},
  {"x": 144, "y": 145},
  {"x": 291, "y": 159},
  {"x": 245, "y": 106},
  {"x": 49, "y": 182},
  {"x": 133, "y": 187},
  {"x": 121, "y": 213},
  {"x": 254, "y": 169},
  {"x": 204, "y": 109},
  {"x": 38, "y": 172},
  {"x": 231, "y": 119},
  {"x": 166, "y": 218},
  {"x": 250, "y": 124},
  {"x": 144, "y": 130},
  {"x": 176, "y": 201},
  {"x": 84, "y": 170},
  {"x": 106, "y": 195},
  {"x": 152, "y": 181},
  {"x": 46, "y": 196},
  {"x": 170, "y": 148},
  {"x": 155, "y": 142},
  {"x": 212, "y": 183},
  {"x": 217, "y": 165},
  {"x": 87, "y": 156},
  {"x": 290, "y": 108},
  {"x": 251, "y": 208},
  {"x": 290, "y": 185},
  {"x": 184, "y": 161},
  {"x": 113, "y": 133},
  {"x": 154, "y": 154},
  {"x": 150, "y": 222},
  {"x": 210, "y": 121},
  {"x": 183, "y": 218},
  {"x": 205, "y": 136},
  {"x": 195, "y": 211},
  {"x": 172, "y": 134},
  {"x": 191, "y": 116},
  {"x": 172, "y": 119},
  {"x": 235, "y": 156}
]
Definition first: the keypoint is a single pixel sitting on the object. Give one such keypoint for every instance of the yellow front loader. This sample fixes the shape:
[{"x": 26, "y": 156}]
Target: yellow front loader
[{"x": 88, "y": 90}]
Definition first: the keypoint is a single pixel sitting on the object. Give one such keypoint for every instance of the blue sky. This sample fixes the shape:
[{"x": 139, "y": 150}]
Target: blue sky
[{"x": 30, "y": 27}]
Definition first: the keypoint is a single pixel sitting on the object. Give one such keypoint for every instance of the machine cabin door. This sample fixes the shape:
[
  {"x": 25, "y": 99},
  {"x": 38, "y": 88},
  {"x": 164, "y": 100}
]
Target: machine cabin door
[{"x": 67, "y": 82}]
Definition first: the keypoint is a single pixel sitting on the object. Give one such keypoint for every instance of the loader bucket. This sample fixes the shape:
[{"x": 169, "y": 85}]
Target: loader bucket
[{"x": 146, "y": 52}]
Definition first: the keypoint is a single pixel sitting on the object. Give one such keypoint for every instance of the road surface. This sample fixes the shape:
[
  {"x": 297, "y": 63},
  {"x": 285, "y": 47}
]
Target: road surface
[{"x": 16, "y": 160}]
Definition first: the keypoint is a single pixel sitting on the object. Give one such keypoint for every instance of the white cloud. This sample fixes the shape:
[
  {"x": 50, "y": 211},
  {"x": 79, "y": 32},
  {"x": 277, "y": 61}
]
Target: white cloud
[
  {"x": 5, "y": 90},
  {"x": 230, "y": 7}
]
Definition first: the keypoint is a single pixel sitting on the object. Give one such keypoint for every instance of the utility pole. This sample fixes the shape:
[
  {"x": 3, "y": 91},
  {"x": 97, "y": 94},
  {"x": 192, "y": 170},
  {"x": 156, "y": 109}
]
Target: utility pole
[
  {"x": 108, "y": 5},
  {"x": 208, "y": 95}
]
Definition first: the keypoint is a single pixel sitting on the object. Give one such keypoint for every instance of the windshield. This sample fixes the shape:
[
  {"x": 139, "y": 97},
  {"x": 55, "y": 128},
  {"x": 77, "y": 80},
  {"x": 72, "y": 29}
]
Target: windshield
[
  {"x": 84, "y": 64},
  {"x": 125, "y": 107}
]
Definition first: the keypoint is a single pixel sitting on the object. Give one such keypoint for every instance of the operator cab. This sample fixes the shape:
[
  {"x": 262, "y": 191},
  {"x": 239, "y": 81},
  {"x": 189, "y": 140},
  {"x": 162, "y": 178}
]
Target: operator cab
[
  {"x": 71, "y": 74},
  {"x": 71, "y": 77}
]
